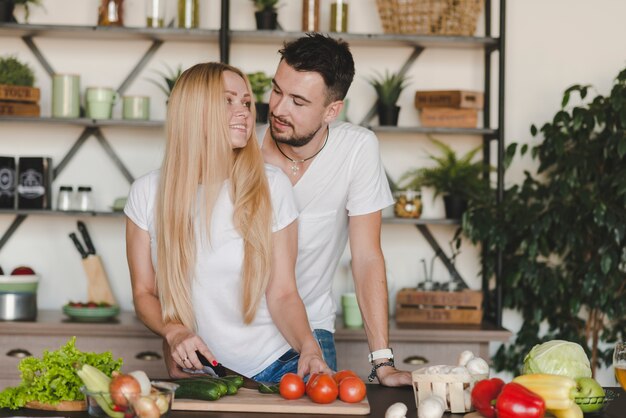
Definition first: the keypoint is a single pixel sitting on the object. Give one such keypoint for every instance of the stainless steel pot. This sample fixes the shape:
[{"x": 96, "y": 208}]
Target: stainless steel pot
[{"x": 18, "y": 306}]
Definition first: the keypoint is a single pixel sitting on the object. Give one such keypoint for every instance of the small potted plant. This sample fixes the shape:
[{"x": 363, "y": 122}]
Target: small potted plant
[
  {"x": 17, "y": 94},
  {"x": 261, "y": 84},
  {"x": 169, "y": 79},
  {"x": 7, "y": 8},
  {"x": 388, "y": 88},
  {"x": 266, "y": 14},
  {"x": 13, "y": 72},
  {"x": 458, "y": 179}
]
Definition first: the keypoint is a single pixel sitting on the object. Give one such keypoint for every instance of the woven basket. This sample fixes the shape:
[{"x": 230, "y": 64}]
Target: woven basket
[{"x": 430, "y": 17}]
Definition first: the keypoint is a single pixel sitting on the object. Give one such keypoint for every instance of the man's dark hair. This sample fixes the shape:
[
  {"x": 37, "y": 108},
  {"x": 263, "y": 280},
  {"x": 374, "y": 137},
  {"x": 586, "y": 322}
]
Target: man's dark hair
[{"x": 330, "y": 58}]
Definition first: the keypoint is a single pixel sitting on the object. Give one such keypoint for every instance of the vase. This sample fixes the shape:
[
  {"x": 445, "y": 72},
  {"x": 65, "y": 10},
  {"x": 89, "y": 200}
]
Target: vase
[
  {"x": 6, "y": 11},
  {"x": 388, "y": 115},
  {"x": 455, "y": 206},
  {"x": 266, "y": 19},
  {"x": 262, "y": 112}
]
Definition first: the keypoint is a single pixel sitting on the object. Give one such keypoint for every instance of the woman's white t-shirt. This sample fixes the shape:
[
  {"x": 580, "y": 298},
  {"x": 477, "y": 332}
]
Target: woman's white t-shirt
[{"x": 216, "y": 289}]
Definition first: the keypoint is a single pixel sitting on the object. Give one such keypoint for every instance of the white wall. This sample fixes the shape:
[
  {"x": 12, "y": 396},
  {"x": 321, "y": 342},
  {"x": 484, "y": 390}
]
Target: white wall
[{"x": 550, "y": 45}]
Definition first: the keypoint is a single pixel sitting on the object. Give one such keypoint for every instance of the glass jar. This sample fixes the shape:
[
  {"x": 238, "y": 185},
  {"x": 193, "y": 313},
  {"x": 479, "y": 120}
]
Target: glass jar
[
  {"x": 84, "y": 201},
  {"x": 310, "y": 15},
  {"x": 111, "y": 13},
  {"x": 339, "y": 16},
  {"x": 188, "y": 14},
  {"x": 64, "y": 199},
  {"x": 155, "y": 13},
  {"x": 408, "y": 204}
]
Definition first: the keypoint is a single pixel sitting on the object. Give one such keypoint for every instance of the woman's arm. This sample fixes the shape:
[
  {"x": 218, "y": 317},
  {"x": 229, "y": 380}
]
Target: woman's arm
[{"x": 285, "y": 304}]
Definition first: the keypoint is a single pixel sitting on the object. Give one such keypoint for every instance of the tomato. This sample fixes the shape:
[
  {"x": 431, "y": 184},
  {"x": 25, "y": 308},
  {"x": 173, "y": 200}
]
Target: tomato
[
  {"x": 342, "y": 374},
  {"x": 323, "y": 389},
  {"x": 352, "y": 389},
  {"x": 312, "y": 377},
  {"x": 291, "y": 386}
]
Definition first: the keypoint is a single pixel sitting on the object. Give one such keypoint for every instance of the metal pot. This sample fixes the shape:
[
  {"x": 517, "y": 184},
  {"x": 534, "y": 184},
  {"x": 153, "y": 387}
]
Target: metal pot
[{"x": 18, "y": 306}]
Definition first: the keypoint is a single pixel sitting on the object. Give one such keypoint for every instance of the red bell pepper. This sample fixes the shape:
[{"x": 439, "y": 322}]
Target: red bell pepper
[
  {"x": 515, "y": 401},
  {"x": 484, "y": 396}
]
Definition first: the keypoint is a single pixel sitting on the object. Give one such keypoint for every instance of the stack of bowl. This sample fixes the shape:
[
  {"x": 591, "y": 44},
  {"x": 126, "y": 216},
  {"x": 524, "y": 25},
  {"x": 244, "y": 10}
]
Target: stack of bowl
[{"x": 18, "y": 297}]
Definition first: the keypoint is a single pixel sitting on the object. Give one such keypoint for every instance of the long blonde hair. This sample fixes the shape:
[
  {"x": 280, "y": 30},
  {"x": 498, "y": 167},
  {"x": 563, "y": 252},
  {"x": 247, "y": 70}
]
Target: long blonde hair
[{"x": 199, "y": 151}]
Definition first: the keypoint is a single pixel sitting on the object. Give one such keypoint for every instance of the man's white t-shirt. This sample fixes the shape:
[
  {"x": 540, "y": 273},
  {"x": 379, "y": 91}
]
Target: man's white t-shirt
[
  {"x": 216, "y": 288},
  {"x": 346, "y": 178}
]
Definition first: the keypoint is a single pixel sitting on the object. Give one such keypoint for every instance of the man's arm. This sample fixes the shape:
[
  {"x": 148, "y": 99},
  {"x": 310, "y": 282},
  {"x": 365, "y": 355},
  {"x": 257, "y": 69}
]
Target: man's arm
[{"x": 370, "y": 280}]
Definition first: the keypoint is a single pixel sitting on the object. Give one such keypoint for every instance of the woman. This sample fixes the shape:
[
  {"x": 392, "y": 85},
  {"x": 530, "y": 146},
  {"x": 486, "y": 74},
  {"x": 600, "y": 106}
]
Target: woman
[{"x": 212, "y": 240}]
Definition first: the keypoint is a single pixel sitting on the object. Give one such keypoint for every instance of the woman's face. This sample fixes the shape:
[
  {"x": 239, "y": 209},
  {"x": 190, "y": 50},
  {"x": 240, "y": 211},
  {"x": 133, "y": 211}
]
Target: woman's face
[{"x": 238, "y": 102}]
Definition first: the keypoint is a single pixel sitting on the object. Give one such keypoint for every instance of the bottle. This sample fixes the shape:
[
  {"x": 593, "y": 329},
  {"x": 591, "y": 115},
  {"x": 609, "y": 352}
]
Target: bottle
[
  {"x": 310, "y": 15},
  {"x": 155, "y": 13},
  {"x": 64, "y": 199},
  {"x": 83, "y": 199},
  {"x": 188, "y": 14},
  {"x": 111, "y": 13},
  {"x": 339, "y": 16}
]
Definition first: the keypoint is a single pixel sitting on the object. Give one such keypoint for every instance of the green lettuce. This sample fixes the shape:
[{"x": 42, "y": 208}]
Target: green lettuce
[
  {"x": 560, "y": 357},
  {"x": 53, "y": 377}
]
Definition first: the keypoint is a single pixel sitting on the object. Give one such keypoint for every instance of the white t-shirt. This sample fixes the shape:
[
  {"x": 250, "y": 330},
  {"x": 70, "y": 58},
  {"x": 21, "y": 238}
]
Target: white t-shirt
[
  {"x": 216, "y": 289},
  {"x": 346, "y": 178}
]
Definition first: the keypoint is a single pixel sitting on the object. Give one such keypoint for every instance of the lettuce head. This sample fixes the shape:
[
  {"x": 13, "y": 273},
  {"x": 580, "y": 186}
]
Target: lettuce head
[{"x": 560, "y": 357}]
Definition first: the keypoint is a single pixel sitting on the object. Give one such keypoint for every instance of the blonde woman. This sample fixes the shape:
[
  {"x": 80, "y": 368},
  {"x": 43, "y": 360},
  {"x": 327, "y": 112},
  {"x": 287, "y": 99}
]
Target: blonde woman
[{"x": 212, "y": 240}]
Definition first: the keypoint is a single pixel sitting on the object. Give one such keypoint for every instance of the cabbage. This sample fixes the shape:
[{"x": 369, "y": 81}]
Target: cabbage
[{"x": 558, "y": 357}]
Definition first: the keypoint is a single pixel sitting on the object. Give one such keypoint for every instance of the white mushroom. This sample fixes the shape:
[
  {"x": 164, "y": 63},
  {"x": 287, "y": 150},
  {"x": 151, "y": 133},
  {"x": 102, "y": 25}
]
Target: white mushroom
[
  {"x": 464, "y": 357},
  {"x": 459, "y": 370},
  {"x": 397, "y": 410},
  {"x": 477, "y": 366},
  {"x": 431, "y": 407}
]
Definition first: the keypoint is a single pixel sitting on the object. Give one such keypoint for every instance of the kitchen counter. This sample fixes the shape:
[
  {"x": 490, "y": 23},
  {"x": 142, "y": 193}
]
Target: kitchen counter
[{"x": 380, "y": 398}]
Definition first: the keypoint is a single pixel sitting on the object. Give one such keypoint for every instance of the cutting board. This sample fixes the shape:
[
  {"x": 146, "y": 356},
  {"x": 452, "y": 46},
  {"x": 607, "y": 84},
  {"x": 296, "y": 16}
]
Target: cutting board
[
  {"x": 61, "y": 406},
  {"x": 250, "y": 400}
]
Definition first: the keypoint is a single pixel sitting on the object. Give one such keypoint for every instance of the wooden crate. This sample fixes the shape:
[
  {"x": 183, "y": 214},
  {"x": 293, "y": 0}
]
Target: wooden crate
[
  {"x": 19, "y": 109},
  {"x": 447, "y": 117},
  {"x": 417, "y": 307},
  {"x": 449, "y": 387},
  {"x": 19, "y": 94},
  {"x": 459, "y": 99}
]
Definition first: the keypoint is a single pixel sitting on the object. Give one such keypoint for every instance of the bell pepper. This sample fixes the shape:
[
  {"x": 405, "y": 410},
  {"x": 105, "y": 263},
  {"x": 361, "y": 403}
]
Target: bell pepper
[
  {"x": 515, "y": 401},
  {"x": 556, "y": 392},
  {"x": 484, "y": 395}
]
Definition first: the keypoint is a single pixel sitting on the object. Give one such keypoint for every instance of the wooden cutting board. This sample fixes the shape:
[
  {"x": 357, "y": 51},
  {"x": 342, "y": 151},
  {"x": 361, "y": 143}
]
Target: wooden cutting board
[
  {"x": 61, "y": 406},
  {"x": 250, "y": 400}
]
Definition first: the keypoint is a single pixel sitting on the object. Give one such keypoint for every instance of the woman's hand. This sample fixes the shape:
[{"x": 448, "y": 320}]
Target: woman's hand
[
  {"x": 312, "y": 361},
  {"x": 183, "y": 344}
]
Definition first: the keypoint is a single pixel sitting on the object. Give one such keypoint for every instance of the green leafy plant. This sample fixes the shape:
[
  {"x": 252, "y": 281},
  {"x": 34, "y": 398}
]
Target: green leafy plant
[
  {"x": 388, "y": 87},
  {"x": 16, "y": 73},
  {"x": 562, "y": 231},
  {"x": 169, "y": 79},
  {"x": 452, "y": 175},
  {"x": 26, "y": 4},
  {"x": 261, "y": 5},
  {"x": 260, "y": 83}
]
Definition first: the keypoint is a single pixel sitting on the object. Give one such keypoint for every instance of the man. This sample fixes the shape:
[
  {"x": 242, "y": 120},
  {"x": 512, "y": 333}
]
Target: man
[{"x": 340, "y": 188}]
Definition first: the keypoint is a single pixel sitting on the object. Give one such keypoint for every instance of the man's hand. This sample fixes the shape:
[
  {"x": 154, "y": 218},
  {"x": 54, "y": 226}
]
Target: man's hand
[{"x": 390, "y": 376}]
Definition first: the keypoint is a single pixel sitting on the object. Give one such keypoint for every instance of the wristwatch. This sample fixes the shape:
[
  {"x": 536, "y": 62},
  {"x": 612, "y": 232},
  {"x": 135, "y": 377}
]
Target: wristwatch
[{"x": 385, "y": 353}]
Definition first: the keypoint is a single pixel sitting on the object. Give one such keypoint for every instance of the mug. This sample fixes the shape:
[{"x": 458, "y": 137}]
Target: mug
[
  {"x": 65, "y": 96},
  {"x": 351, "y": 313},
  {"x": 136, "y": 107},
  {"x": 100, "y": 102}
]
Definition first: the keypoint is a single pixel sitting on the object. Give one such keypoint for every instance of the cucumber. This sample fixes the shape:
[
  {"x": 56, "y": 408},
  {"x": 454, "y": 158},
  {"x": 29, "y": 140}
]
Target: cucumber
[
  {"x": 268, "y": 387},
  {"x": 232, "y": 386},
  {"x": 236, "y": 379},
  {"x": 201, "y": 389},
  {"x": 216, "y": 381}
]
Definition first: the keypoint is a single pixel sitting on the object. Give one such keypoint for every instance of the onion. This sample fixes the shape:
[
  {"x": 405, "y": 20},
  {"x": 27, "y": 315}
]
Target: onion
[
  {"x": 144, "y": 381},
  {"x": 122, "y": 388},
  {"x": 145, "y": 407}
]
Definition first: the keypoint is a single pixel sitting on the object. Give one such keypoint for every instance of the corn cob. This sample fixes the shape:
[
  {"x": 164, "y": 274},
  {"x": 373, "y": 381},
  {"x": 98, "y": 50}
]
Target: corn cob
[
  {"x": 556, "y": 392},
  {"x": 98, "y": 383}
]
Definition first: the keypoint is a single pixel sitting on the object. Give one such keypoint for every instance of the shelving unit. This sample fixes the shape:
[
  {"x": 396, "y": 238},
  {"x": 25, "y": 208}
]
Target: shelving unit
[{"x": 225, "y": 38}]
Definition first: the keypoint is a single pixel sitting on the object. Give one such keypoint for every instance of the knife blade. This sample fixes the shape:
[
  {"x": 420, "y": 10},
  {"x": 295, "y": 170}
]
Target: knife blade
[
  {"x": 86, "y": 237},
  {"x": 222, "y": 371},
  {"x": 78, "y": 245}
]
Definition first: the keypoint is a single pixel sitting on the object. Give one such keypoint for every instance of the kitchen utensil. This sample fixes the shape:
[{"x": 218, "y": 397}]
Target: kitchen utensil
[
  {"x": 18, "y": 306},
  {"x": 79, "y": 246},
  {"x": 82, "y": 228},
  {"x": 220, "y": 371}
]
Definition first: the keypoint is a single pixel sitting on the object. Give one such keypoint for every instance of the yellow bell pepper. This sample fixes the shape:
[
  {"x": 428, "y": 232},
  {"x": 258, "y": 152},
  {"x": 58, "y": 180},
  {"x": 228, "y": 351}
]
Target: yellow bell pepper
[{"x": 556, "y": 392}]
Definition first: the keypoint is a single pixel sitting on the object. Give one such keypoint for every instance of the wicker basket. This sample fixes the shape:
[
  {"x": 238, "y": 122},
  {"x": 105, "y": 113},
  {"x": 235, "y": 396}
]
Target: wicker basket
[
  {"x": 449, "y": 387},
  {"x": 430, "y": 17}
]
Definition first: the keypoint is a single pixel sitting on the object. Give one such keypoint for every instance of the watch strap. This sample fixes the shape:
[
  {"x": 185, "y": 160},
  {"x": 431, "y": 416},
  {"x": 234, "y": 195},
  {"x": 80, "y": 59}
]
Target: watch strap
[{"x": 385, "y": 353}]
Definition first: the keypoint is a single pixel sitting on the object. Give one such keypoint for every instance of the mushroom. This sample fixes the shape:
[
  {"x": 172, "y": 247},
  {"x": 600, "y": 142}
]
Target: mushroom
[
  {"x": 397, "y": 410},
  {"x": 431, "y": 407}
]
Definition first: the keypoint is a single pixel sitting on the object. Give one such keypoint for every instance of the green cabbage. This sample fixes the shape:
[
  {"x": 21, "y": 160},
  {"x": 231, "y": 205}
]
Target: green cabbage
[{"x": 558, "y": 357}]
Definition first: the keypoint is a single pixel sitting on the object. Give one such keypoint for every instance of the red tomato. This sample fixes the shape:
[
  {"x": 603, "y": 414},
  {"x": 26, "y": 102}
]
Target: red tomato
[
  {"x": 291, "y": 386},
  {"x": 323, "y": 389},
  {"x": 342, "y": 374},
  {"x": 312, "y": 377},
  {"x": 352, "y": 389}
]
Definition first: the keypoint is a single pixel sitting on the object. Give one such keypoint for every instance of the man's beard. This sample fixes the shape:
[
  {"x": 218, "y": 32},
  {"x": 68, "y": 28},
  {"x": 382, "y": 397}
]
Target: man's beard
[{"x": 294, "y": 141}]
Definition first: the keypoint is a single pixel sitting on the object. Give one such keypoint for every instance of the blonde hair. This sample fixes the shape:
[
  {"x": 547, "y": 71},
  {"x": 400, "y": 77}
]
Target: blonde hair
[{"x": 199, "y": 151}]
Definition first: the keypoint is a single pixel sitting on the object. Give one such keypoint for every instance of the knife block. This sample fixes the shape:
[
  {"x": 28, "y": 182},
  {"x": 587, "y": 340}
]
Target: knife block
[{"x": 98, "y": 288}]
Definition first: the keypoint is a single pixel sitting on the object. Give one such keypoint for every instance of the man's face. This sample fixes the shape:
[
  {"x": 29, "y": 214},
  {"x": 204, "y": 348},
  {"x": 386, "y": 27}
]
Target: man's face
[{"x": 297, "y": 106}]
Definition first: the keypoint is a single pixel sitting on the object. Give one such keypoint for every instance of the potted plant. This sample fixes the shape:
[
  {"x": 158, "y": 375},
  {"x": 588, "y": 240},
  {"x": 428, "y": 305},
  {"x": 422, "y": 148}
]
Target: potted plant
[
  {"x": 266, "y": 14},
  {"x": 13, "y": 72},
  {"x": 7, "y": 8},
  {"x": 458, "y": 179},
  {"x": 261, "y": 84},
  {"x": 169, "y": 79},
  {"x": 388, "y": 89}
]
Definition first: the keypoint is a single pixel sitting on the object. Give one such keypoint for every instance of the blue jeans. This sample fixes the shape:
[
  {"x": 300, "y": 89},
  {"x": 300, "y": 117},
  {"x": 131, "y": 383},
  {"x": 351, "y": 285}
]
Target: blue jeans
[{"x": 288, "y": 362}]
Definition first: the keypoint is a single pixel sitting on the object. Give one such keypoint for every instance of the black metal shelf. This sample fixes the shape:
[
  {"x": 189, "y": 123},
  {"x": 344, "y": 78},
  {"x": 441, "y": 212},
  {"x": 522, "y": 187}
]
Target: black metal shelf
[
  {"x": 84, "y": 122},
  {"x": 420, "y": 221},
  {"x": 68, "y": 213},
  {"x": 441, "y": 131}
]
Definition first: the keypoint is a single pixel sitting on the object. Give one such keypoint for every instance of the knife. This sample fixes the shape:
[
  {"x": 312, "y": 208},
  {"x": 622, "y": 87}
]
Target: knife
[
  {"x": 78, "y": 245},
  {"x": 86, "y": 237},
  {"x": 222, "y": 371}
]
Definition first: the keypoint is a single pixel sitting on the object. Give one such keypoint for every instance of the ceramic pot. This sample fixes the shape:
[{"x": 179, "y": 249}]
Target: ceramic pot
[
  {"x": 388, "y": 115},
  {"x": 6, "y": 11},
  {"x": 455, "y": 206},
  {"x": 266, "y": 19}
]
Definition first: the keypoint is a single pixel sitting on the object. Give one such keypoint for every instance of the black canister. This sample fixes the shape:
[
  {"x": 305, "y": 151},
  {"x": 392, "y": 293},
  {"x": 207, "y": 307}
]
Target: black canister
[
  {"x": 34, "y": 183},
  {"x": 8, "y": 182}
]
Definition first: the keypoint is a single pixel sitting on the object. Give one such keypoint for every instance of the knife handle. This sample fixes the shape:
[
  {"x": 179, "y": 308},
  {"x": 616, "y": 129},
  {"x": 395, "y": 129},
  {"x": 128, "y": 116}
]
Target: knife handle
[
  {"x": 86, "y": 237},
  {"x": 219, "y": 370},
  {"x": 78, "y": 245}
]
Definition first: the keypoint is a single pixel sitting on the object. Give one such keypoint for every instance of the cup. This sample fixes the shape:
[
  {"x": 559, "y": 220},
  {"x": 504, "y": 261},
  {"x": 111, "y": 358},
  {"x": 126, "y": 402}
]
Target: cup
[
  {"x": 351, "y": 313},
  {"x": 155, "y": 13},
  {"x": 136, "y": 107},
  {"x": 65, "y": 96},
  {"x": 100, "y": 102}
]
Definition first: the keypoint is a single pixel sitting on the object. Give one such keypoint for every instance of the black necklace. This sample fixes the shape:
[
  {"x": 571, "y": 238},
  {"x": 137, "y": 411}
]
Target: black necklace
[{"x": 294, "y": 163}]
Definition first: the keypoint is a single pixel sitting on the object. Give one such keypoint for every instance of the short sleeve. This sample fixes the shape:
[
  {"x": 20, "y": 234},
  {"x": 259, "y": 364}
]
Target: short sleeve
[
  {"x": 138, "y": 202},
  {"x": 283, "y": 200},
  {"x": 369, "y": 188}
]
